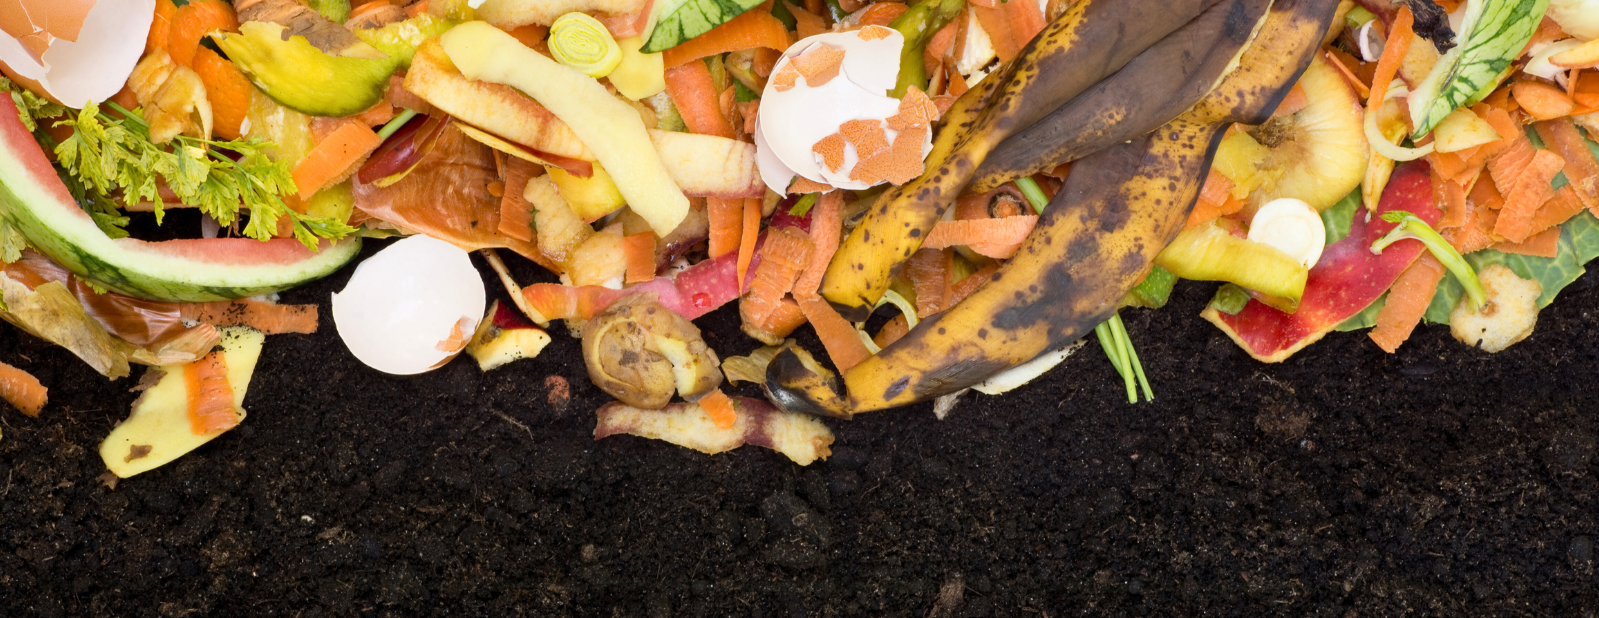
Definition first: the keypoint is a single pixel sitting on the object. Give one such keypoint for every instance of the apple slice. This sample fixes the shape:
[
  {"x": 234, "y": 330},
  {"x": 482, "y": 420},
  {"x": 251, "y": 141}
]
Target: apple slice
[
  {"x": 1346, "y": 279},
  {"x": 503, "y": 336},
  {"x": 159, "y": 429}
]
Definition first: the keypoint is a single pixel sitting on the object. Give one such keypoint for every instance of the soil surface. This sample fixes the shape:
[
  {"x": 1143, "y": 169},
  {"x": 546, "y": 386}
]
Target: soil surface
[{"x": 1345, "y": 482}]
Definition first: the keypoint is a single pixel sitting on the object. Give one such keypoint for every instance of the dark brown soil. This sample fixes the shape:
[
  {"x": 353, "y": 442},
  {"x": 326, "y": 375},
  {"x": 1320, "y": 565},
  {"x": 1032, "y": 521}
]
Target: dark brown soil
[{"x": 1437, "y": 481}]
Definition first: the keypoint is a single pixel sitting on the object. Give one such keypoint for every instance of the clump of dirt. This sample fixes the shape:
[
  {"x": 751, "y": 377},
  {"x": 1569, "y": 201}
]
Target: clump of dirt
[{"x": 1439, "y": 480}]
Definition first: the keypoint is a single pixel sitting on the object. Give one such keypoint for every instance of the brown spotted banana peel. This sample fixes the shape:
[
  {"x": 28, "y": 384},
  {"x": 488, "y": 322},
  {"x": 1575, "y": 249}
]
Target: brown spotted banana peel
[
  {"x": 1092, "y": 40},
  {"x": 1180, "y": 69},
  {"x": 1117, "y": 210}
]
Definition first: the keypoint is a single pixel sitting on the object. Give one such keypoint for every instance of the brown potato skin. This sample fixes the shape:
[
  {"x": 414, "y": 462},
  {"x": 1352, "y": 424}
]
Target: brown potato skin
[{"x": 624, "y": 359}]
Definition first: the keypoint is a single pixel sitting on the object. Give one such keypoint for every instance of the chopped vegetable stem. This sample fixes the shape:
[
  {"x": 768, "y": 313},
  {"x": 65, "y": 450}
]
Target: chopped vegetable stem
[
  {"x": 394, "y": 125},
  {"x": 1033, "y": 193}
]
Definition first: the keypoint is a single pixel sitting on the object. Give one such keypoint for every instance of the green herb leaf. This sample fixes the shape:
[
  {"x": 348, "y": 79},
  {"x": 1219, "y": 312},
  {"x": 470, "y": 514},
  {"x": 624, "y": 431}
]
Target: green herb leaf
[{"x": 107, "y": 154}]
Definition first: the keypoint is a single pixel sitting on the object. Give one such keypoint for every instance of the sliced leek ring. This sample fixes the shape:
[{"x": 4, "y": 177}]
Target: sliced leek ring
[{"x": 582, "y": 43}]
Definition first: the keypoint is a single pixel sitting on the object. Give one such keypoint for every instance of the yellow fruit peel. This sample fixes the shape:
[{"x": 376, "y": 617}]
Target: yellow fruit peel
[{"x": 608, "y": 126}]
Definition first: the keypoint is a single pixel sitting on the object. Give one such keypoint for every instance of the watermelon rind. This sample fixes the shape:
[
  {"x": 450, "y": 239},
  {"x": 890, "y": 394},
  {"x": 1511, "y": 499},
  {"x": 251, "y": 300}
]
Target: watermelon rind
[{"x": 35, "y": 202}]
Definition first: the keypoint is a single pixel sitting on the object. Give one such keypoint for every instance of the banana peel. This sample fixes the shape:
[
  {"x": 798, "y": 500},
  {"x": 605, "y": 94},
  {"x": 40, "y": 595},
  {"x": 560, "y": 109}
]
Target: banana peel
[
  {"x": 1118, "y": 209},
  {"x": 1092, "y": 40},
  {"x": 1183, "y": 67}
]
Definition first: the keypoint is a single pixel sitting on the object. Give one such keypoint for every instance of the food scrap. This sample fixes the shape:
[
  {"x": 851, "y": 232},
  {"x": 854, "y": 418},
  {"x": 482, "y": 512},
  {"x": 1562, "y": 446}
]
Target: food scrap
[{"x": 1330, "y": 168}]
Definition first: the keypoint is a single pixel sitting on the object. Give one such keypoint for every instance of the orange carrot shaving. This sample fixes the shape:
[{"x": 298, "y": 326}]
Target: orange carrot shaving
[
  {"x": 726, "y": 224},
  {"x": 1295, "y": 101},
  {"x": 826, "y": 231},
  {"x": 928, "y": 271},
  {"x": 531, "y": 35},
  {"x": 787, "y": 251},
  {"x": 720, "y": 408},
  {"x": 1530, "y": 192},
  {"x": 211, "y": 408},
  {"x": 20, "y": 389},
  {"x": 781, "y": 322},
  {"x": 751, "y": 232},
  {"x": 1506, "y": 167},
  {"x": 1215, "y": 200},
  {"x": 1393, "y": 54},
  {"x": 942, "y": 43},
  {"x": 1010, "y": 26},
  {"x": 227, "y": 89},
  {"x": 333, "y": 157},
  {"x": 697, "y": 100},
  {"x": 1560, "y": 208},
  {"x": 1407, "y": 302},
  {"x": 751, "y": 29},
  {"x": 881, "y": 14},
  {"x": 995, "y": 238},
  {"x": 193, "y": 22},
  {"x": 161, "y": 26},
  {"x": 516, "y": 214},
  {"x": 1545, "y": 244},
  {"x": 640, "y": 251},
  {"x": 1451, "y": 198},
  {"x": 807, "y": 23},
  {"x": 1338, "y": 58},
  {"x": 843, "y": 343},
  {"x": 1447, "y": 164},
  {"x": 1542, "y": 101},
  {"x": 269, "y": 318},
  {"x": 1582, "y": 169},
  {"x": 896, "y": 327},
  {"x": 965, "y": 287}
]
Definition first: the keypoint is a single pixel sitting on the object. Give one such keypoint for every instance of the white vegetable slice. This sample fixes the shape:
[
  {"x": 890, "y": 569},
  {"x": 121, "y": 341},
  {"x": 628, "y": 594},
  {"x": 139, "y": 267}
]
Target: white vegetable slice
[{"x": 1291, "y": 226}]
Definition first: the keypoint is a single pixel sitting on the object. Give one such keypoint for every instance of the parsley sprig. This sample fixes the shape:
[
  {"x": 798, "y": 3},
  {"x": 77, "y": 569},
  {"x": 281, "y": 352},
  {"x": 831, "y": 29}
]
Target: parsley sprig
[{"x": 107, "y": 153}]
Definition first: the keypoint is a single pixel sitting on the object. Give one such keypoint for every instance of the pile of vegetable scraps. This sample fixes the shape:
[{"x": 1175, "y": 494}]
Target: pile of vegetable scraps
[{"x": 1433, "y": 161}]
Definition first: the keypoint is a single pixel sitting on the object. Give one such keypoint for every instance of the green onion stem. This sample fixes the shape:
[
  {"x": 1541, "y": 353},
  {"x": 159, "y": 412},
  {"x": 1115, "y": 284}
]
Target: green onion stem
[
  {"x": 394, "y": 125},
  {"x": 1112, "y": 333},
  {"x": 803, "y": 205},
  {"x": 1033, "y": 193}
]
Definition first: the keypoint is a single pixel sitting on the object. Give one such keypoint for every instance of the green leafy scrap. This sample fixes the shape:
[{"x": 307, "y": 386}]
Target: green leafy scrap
[
  {"x": 33, "y": 107},
  {"x": 108, "y": 154}
]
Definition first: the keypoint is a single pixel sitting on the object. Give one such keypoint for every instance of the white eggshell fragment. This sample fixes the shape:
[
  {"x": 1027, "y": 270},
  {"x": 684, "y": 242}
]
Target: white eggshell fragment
[
  {"x": 1291, "y": 226},
  {"x": 793, "y": 119},
  {"x": 77, "y": 56},
  {"x": 403, "y": 302}
]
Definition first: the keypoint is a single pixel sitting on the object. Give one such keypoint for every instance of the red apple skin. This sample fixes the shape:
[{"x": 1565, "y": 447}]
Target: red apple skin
[{"x": 1346, "y": 279}]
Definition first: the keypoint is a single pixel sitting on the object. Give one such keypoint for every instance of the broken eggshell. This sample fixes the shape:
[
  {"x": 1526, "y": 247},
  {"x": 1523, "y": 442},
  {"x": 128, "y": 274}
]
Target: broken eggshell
[
  {"x": 411, "y": 307},
  {"x": 796, "y": 114},
  {"x": 73, "y": 51}
]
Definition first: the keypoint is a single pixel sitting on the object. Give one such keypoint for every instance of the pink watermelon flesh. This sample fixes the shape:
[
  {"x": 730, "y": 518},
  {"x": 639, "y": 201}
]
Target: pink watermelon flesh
[{"x": 35, "y": 202}]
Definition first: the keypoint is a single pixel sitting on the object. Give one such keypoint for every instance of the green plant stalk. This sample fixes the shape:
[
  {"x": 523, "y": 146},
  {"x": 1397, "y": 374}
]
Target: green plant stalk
[
  {"x": 803, "y": 205},
  {"x": 1033, "y": 193},
  {"x": 1112, "y": 333},
  {"x": 1412, "y": 227},
  {"x": 919, "y": 24},
  {"x": 394, "y": 125}
]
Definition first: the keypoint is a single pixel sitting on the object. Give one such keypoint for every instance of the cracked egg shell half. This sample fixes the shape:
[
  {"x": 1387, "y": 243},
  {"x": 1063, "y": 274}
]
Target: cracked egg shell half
[
  {"x": 411, "y": 307},
  {"x": 73, "y": 51},
  {"x": 818, "y": 87}
]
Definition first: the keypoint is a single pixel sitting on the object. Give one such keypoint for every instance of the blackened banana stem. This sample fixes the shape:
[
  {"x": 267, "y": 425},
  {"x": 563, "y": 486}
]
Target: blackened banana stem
[{"x": 1093, "y": 39}]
